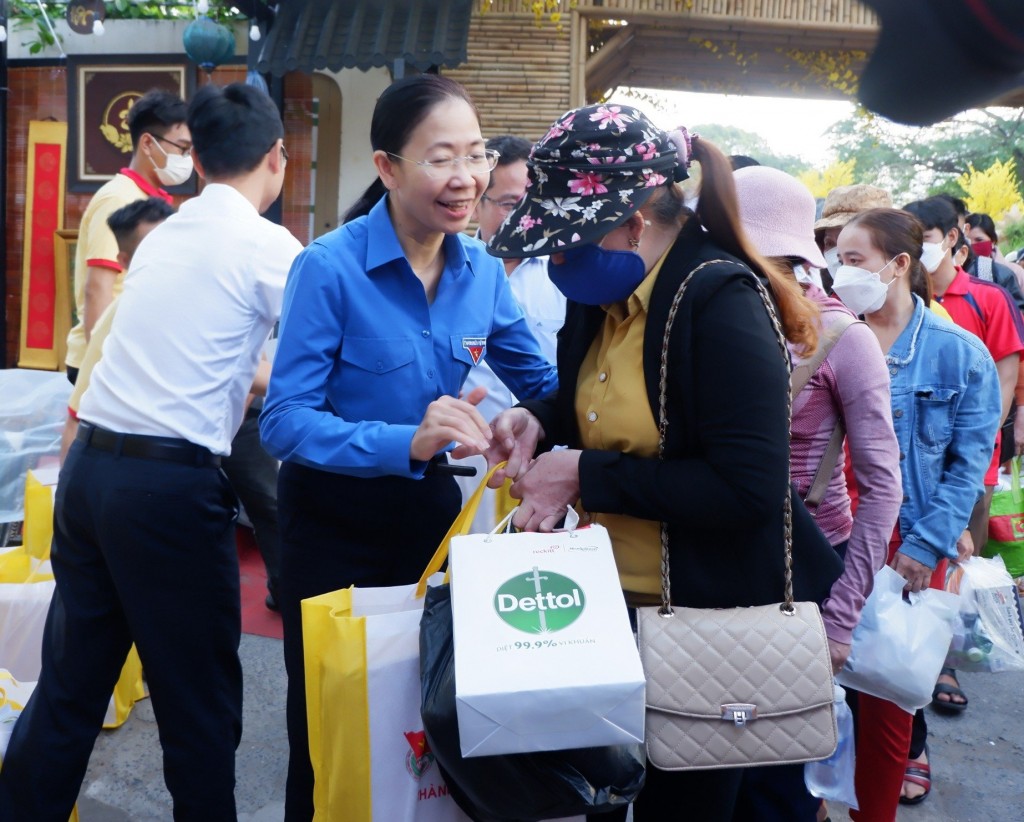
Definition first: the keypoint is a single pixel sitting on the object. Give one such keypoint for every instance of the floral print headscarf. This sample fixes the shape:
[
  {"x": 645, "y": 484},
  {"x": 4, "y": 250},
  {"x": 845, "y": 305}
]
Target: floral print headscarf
[{"x": 594, "y": 168}]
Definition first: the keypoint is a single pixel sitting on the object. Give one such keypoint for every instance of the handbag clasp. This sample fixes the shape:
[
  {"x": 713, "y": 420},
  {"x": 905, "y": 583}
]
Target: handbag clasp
[{"x": 739, "y": 713}]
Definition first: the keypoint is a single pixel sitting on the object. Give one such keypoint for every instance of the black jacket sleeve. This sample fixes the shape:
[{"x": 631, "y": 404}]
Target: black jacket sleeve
[{"x": 728, "y": 385}]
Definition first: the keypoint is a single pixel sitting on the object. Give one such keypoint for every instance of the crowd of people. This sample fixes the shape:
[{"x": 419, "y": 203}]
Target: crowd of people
[{"x": 540, "y": 342}]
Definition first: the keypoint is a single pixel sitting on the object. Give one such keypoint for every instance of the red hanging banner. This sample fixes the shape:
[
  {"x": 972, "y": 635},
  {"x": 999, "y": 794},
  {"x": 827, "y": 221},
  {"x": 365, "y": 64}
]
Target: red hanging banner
[{"x": 44, "y": 210}]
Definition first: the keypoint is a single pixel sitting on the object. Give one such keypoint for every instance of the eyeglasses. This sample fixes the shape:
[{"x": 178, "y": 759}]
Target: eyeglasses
[
  {"x": 505, "y": 206},
  {"x": 186, "y": 149},
  {"x": 284, "y": 153},
  {"x": 480, "y": 162}
]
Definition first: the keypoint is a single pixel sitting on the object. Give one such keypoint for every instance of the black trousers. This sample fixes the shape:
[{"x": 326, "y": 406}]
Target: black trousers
[
  {"x": 253, "y": 474},
  {"x": 143, "y": 552},
  {"x": 338, "y": 531}
]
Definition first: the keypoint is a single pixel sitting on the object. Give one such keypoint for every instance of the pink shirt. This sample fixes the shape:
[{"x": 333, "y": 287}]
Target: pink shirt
[{"x": 852, "y": 383}]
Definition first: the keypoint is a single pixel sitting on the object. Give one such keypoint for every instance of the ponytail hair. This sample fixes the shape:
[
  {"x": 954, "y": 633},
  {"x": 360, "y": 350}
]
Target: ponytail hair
[{"x": 718, "y": 212}]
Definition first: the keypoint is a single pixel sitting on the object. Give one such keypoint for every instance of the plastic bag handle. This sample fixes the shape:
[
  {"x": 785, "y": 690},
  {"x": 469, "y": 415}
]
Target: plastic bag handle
[{"x": 463, "y": 522}]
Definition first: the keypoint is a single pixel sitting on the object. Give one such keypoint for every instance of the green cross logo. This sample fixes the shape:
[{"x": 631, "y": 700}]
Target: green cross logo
[{"x": 539, "y": 602}]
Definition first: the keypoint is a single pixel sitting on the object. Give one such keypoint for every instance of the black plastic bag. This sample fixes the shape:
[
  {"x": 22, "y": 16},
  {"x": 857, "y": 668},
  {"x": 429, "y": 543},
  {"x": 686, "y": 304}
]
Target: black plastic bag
[{"x": 512, "y": 787}]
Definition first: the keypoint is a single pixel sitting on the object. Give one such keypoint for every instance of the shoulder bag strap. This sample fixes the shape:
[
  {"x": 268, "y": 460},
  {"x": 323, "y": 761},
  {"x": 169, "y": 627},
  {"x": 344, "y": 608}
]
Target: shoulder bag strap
[
  {"x": 800, "y": 377},
  {"x": 666, "y": 592}
]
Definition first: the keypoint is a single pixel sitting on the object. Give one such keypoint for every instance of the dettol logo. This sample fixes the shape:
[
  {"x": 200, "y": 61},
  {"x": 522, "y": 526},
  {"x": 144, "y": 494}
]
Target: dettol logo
[{"x": 539, "y": 601}]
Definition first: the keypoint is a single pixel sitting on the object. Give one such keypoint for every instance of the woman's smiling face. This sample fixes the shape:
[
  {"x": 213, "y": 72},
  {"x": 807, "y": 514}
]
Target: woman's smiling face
[{"x": 429, "y": 201}]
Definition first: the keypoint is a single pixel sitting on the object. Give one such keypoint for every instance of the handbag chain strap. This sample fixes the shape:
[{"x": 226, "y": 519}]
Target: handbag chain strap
[{"x": 666, "y": 592}]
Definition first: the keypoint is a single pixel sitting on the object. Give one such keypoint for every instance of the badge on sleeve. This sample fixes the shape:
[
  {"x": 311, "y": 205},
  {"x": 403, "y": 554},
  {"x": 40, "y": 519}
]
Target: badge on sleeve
[{"x": 475, "y": 347}]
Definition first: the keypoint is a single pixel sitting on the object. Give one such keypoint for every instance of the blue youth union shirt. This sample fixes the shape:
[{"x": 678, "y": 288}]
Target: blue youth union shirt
[{"x": 361, "y": 353}]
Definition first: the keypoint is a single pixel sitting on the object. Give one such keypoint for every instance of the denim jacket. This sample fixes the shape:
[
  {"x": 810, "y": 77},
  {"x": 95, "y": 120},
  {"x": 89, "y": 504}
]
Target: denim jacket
[{"x": 946, "y": 408}]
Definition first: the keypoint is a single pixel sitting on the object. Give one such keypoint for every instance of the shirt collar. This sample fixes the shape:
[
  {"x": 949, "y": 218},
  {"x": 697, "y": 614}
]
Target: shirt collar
[
  {"x": 383, "y": 246},
  {"x": 959, "y": 284},
  {"x": 147, "y": 187},
  {"x": 903, "y": 350}
]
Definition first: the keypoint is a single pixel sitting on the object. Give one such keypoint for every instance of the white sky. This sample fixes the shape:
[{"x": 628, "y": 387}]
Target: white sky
[{"x": 789, "y": 125}]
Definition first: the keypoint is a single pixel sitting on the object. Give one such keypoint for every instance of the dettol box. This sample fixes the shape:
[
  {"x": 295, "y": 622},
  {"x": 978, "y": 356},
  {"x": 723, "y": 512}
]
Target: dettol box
[{"x": 545, "y": 658}]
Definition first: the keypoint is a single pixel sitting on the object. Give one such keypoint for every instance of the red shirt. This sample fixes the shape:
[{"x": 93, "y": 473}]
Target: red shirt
[{"x": 987, "y": 311}]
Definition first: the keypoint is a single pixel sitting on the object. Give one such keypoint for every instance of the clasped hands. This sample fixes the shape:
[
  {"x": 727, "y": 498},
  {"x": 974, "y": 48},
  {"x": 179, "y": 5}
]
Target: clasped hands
[{"x": 545, "y": 485}]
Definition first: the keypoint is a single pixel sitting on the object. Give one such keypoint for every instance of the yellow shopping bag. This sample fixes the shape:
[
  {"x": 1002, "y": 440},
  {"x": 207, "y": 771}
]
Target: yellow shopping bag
[
  {"x": 370, "y": 756},
  {"x": 26, "y": 586}
]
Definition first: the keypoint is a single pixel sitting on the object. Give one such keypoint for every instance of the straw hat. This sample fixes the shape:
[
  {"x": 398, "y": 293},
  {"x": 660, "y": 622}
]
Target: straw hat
[{"x": 843, "y": 203}]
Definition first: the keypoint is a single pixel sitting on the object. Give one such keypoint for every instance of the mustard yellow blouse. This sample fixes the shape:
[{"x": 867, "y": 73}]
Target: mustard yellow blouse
[{"x": 613, "y": 414}]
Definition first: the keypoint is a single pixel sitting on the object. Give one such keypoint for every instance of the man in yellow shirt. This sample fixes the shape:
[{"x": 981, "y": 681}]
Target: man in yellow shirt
[{"x": 161, "y": 149}]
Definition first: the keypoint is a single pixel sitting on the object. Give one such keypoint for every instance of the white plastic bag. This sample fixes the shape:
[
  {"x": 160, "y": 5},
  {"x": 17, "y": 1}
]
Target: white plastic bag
[
  {"x": 988, "y": 635},
  {"x": 832, "y": 779},
  {"x": 33, "y": 408},
  {"x": 899, "y": 646}
]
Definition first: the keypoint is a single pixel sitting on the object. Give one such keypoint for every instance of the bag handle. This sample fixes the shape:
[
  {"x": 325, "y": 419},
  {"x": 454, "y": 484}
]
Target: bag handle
[
  {"x": 460, "y": 527},
  {"x": 1015, "y": 480},
  {"x": 787, "y": 505},
  {"x": 798, "y": 379}
]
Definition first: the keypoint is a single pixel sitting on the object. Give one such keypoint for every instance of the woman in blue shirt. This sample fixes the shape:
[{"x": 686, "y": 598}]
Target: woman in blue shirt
[
  {"x": 382, "y": 320},
  {"x": 945, "y": 409}
]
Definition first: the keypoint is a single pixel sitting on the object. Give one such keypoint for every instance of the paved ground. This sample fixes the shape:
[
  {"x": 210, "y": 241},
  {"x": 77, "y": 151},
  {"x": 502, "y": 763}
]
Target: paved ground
[{"x": 976, "y": 757}]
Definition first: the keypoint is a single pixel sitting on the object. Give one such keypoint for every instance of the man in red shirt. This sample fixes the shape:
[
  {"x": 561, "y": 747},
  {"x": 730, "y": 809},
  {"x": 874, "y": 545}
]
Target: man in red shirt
[{"x": 986, "y": 310}]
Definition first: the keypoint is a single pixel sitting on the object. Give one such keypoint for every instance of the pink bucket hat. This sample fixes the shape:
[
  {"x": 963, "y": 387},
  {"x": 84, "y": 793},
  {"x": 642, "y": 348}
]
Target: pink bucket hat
[{"x": 777, "y": 213}]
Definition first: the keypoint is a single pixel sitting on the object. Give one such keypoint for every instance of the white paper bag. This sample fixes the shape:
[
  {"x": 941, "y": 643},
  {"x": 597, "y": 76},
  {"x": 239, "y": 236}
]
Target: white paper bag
[{"x": 545, "y": 658}]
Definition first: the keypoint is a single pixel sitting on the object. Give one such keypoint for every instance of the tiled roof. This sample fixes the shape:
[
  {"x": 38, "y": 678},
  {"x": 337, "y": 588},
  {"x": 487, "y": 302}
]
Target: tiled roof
[{"x": 311, "y": 35}]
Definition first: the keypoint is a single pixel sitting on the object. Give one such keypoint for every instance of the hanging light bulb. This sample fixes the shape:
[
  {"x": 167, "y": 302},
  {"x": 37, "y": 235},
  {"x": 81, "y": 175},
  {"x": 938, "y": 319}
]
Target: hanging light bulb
[
  {"x": 254, "y": 33},
  {"x": 203, "y": 6},
  {"x": 97, "y": 28}
]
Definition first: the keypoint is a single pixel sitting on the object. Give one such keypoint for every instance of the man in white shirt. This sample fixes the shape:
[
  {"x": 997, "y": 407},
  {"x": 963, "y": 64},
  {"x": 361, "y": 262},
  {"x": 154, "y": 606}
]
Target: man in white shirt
[
  {"x": 542, "y": 303},
  {"x": 143, "y": 547}
]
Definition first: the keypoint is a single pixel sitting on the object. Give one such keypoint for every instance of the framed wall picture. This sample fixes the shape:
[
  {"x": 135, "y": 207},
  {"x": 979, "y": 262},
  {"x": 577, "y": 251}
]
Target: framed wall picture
[{"x": 100, "y": 93}]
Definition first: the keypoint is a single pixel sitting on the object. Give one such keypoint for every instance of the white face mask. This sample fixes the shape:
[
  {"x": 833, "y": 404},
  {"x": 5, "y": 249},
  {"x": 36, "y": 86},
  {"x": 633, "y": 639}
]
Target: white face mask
[
  {"x": 832, "y": 260},
  {"x": 177, "y": 170},
  {"x": 932, "y": 255},
  {"x": 862, "y": 291}
]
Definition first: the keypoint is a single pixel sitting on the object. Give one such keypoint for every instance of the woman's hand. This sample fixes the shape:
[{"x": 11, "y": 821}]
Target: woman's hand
[
  {"x": 917, "y": 574},
  {"x": 448, "y": 419},
  {"x": 515, "y": 434},
  {"x": 1018, "y": 431},
  {"x": 838, "y": 652},
  {"x": 551, "y": 483},
  {"x": 964, "y": 547}
]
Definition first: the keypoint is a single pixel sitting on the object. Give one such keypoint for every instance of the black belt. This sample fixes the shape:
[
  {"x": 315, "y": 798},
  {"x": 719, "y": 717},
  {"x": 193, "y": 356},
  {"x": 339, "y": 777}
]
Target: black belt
[{"x": 167, "y": 449}]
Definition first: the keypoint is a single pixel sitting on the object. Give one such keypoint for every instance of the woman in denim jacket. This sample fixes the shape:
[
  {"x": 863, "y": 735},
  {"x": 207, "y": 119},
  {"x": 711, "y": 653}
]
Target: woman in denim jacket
[{"x": 945, "y": 409}]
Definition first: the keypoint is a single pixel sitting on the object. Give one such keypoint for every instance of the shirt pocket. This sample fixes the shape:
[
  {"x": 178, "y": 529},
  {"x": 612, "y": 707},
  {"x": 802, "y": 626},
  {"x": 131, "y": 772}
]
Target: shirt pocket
[
  {"x": 468, "y": 350},
  {"x": 934, "y": 412},
  {"x": 375, "y": 355}
]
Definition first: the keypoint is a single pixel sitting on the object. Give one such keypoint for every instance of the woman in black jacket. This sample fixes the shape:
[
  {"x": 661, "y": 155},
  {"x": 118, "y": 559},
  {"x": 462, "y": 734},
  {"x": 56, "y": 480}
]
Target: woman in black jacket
[{"x": 603, "y": 202}]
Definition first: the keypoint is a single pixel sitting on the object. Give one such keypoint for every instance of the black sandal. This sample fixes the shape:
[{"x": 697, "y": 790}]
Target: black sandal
[{"x": 947, "y": 705}]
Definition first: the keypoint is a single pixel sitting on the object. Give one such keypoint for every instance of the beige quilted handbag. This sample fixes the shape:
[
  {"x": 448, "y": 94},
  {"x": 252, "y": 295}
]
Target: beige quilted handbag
[{"x": 734, "y": 687}]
